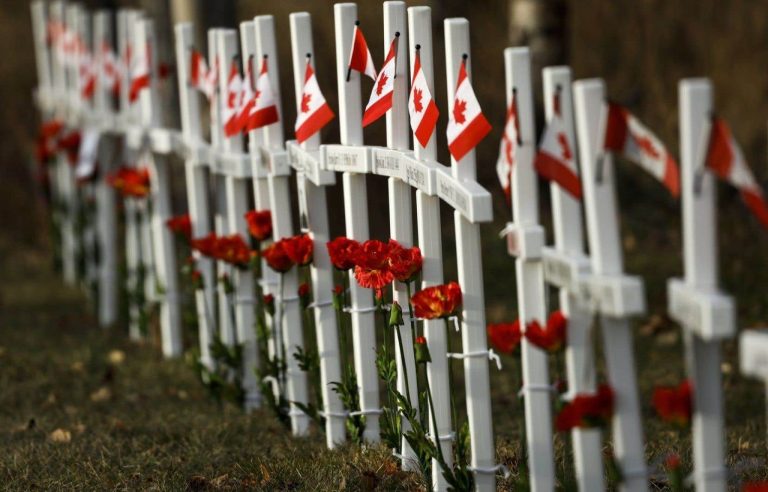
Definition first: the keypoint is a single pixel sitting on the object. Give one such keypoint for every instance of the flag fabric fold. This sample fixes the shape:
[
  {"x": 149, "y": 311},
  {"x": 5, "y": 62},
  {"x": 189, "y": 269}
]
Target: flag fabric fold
[
  {"x": 555, "y": 161},
  {"x": 264, "y": 110},
  {"x": 313, "y": 111},
  {"x": 422, "y": 108},
  {"x": 360, "y": 58},
  {"x": 467, "y": 125},
  {"x": 140, "y": 73},
  {"x": 381, "y": 95},
  {"x": 233, "y": 101},
  {"x": 508, "y": 148},
  {"x": 626, "y": 135},
  {"x": 726, "y": 160}
]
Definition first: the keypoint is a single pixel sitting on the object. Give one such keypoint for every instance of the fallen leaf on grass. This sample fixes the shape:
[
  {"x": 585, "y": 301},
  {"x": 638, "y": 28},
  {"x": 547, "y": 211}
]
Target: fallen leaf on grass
[
  {"x": 116, "y": 357},
  {"x": 60, "y": 435},
  {"x": 220, "y": 481},
  {"x": 101, "y": 394},
  {"x": 51, "y": 400},
  {"x": 264, "y": 474},
  {"x": 70, "y": 409},
  {"x": 79, "y": 428},
  {"x": 182, "y": 394},
  {"x": 77, "y": 366}
]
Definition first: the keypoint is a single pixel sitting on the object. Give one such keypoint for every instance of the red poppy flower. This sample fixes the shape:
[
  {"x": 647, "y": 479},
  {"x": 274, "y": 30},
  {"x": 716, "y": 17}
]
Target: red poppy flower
[
  {"x": 439, "y": 301},
  {"x": 303, "y": 293},
  {"x": 587, "y": 410},
  {"x": 372, "y": 265},
  {"x": 672, "y": 462},
  {"x": 259, "y": 224},
  {"x": 755, "y": 487},
  {"x": 130, "y": 181},
  {"x": 338, "y": 290},
  {"x": 552, "y": 338},
  {"x": 505, "y": 336},
  {"x": 233, "y": 249},
  {"x": 70, "y": 144},
  {"x": 50, "y": 128},
  {"x": 181, "y": 225},
  {"x": 206, "y": 245},
  {"x": 404, "y": 263},
  {"x": 299, "y": 249},
  {"x": 276, "y": 257},
  {"x": 421, "y": 351},
  {"x": 269, "y": 304},
  {"x": 674, "y": 404},
  {"x": 343, "y": 252}
]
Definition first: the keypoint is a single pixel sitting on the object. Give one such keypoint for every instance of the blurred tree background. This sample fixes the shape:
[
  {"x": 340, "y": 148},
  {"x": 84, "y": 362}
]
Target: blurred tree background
[{"x": 642, "y": 48}]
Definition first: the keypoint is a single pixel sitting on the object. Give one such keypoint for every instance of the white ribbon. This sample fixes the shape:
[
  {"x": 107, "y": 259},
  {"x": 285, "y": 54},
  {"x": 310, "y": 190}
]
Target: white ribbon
[{"x": 480, "y": 353}]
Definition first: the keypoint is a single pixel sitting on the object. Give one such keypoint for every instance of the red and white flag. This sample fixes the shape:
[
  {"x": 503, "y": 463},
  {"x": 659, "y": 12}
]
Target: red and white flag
[
  {"x": 110, "y": 69},
  {"x": 264, "y": 111},
  {"x": 625, "y": 134},
  {"x": 314, "y": 112},
  {"x": 466, "y": 124},
  {"x": 725, "y": 159},
  {"x": 510, "y": 140},
  {"x": 247, "y": 98},
  {"x": 198, "y": 70},
  {"x": 555, "y": 160},
  {"x": 140, "y": 73},
  {"x": 233, "y": 101},
  {"x": 360, "y": 58},
  {"x": 88, "y": 75},
  {"x": 421, "y": 105},
  {"x": 381, "y": 95}
]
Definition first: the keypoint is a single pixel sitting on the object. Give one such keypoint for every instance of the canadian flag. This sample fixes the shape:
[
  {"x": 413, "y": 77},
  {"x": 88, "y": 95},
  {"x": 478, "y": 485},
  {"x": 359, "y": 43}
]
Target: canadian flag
[
  {"x": 555, "y": 158},
  {"x": 264, "y": 111},
  {"x": 360, "y": 58},
  {"x": 466, "y": 125},
  {"x": 87, "y": 79},
  {"x": 625, "y": 134},
  {"x": 421, "y": 106},
  {"x": 725, "y": 159},
  {"x": 510, "y": 140},
  {"x": 110, "y": 68},
  {"x": 233, "y": 101},
  {"x": 198, "y": 70},
  {"x": 139, "y": 73},
  {"x": 314, "y": 112},
  {"x": 381, "y": 96},
  {"x": 247, "y": 98}
]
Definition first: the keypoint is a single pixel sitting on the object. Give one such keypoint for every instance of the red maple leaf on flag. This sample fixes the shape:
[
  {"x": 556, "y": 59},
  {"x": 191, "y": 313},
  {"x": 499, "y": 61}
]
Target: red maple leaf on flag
[
  {"x": 508, "y": 151},
  {"x": 564, "y": 147},
  {"x": 417, "y": 100},
  {"x": 458, "y": 111},
  {"x": 380, "y": 86},
  {"x": 646, "y": 146},
  {"x": 256, "y": 96},
  {"x": 305, "y": 102}
]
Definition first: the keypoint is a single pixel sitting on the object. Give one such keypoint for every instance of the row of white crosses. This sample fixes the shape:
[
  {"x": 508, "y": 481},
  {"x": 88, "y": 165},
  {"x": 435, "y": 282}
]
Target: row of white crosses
[{"x": 589, "y": 287}]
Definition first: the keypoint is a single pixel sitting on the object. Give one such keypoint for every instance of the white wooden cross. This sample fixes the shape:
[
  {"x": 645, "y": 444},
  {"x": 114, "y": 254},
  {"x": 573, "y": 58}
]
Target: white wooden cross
[
  {"x": 753, "y": 354},
  {"x": 431, "y": 245},
  {"x": 565, "y": 266},
  {"x": 311, "y": 185},
  {"x": 615, "y": 296},
  {"x": 525, "y": 240},
  {"x": 196, "y": 172},
  {"x": 106, "y": 223},
  {"x": 155, "y": 144},
  {"x": 706, "y": 314},
  {"x": 350, "y": 158},
  {"x": 233, "y": 167},
  {"x": 274, "y": 160},
  {"x": 470, "y": 268}
]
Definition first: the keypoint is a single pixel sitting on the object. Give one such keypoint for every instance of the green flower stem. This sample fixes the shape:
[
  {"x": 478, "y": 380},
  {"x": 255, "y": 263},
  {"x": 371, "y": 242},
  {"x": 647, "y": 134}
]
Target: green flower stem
[
  {"x": 405, "y": 368},
  {"x": 441, "y": 457},
  {"x": 411, "y": 314}
]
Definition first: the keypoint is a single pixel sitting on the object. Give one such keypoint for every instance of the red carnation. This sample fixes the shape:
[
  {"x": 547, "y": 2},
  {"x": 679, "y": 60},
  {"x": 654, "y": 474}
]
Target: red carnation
[
  {"x": 130, "y": 181},
  {"x": 343, "y": 252},
  {"x": 181, "y": 225},
  {"x": 587, "y": 410},
  {"x": 372, "y": 265},
  {"x": 259, "y": 224},
  {"x": 206, "y": 245},
  {"x": 233, "y": 249},
  {"x": 674, "y": 404},
  {"x": 404, "y": 263},
  {"x": 439, "y": 301},
  {"x": 276, "y": 257},
  {"x": 299, "y": 249},
  {"x": 505, "y": 336},
  {"x": 552, "y": 338}
]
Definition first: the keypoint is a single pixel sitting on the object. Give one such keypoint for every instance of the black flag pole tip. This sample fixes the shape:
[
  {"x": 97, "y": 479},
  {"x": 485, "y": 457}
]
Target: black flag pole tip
[
  {"x": 357, "y": 22},
  {"x": 558, "y": 88},
  {"x": 266, "y": 56},
  {"x": 397, "y": 34},
  {"x": 418, "y": 47},
  {"x": 464, "y": 56},
  {"x": 309, "y": 55}
]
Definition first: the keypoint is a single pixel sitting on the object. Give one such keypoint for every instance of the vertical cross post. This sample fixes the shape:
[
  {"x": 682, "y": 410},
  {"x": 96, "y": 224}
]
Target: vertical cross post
[
  {"x": 162, "y": 237},
  {"x": 569, "y": 243},
  {"x": 706, "y": 315},
  {"x": 615, "y": 295},
  {"x": 753, "y": 354},
  {"x": 356, "y": 218},
  {"x": 282, "y": 226},
  {"x": 106, "y": 222},
  {"x": 470, "y": 269},
  {"x": 526, "y": 241},
  {"x": 400, "y": 211},
  {"x": 197, "y": 190},
  {"x": 314, "y": 206},
  {"x": 431, "y": 244}
]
